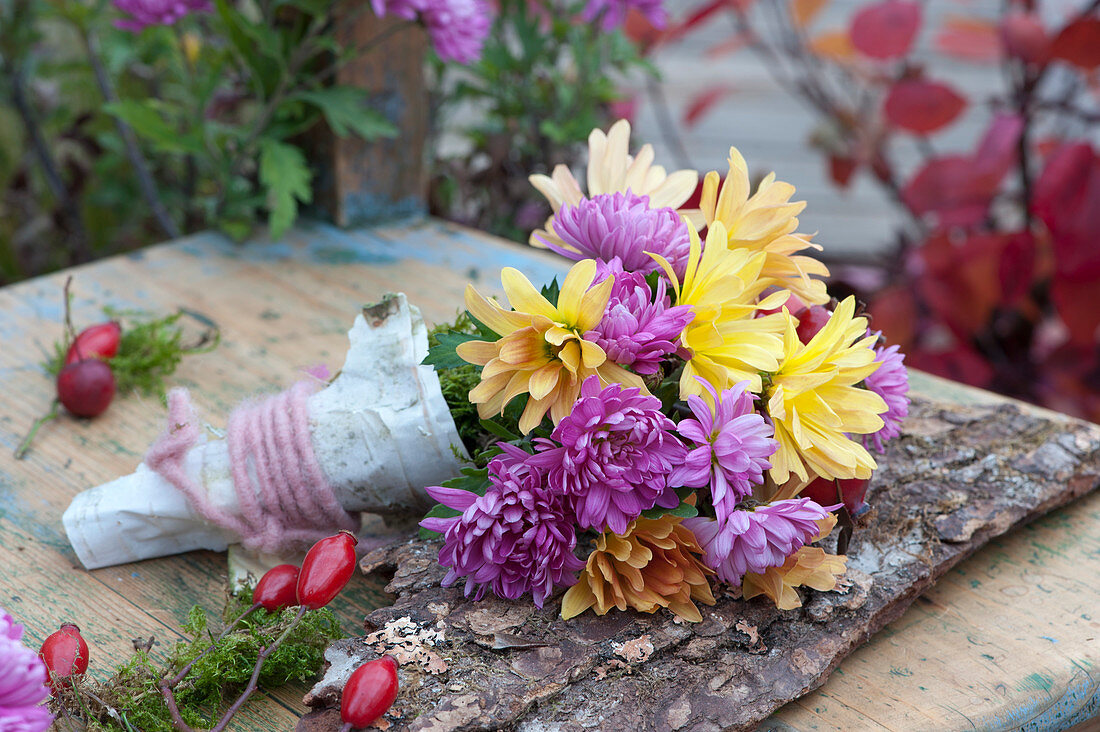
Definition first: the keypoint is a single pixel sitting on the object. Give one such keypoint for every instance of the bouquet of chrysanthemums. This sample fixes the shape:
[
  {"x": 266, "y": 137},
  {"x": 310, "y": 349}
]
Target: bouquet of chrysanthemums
[{"x": 648, "y": 423}]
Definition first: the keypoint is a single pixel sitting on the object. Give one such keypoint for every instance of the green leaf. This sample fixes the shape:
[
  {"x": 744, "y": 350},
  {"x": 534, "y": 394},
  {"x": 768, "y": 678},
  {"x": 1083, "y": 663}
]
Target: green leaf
[
  {"x": 443, "y": 355},
  {"x": 437, "y": 511},
  {"x": 552, "y": 291},
  {"x": 346, "y": 110},
  {"x": 684, "y": 510},
  {"x": 147, "y": 122},
  {"x": 499, "y": 430},
  {"x": 286, "y": 178}
]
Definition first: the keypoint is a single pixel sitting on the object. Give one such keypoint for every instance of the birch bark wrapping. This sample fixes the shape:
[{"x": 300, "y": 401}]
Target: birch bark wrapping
[{"x": 381, "y": 431}]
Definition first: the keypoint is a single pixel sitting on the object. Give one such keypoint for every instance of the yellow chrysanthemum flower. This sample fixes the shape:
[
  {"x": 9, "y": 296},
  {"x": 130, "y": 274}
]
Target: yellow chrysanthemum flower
[
  {"x": 814, "y": 403},
  {"x": 764, "y": 221},
  {"x": 611, "y": 169},
  {"x": 728, "y": 343},
  {"x": 654, "y": 564},
  {"x": 541, "y": 351}
]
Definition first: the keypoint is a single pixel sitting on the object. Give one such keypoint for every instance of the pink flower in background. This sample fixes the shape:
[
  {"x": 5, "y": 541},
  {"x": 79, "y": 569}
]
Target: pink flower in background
[
  {"x": 638, "y": 330},
  {"x": 144, "y": 13},
  {"x": 616, "y": 452},
  {"x": 22, "y": 682},
  {"x": 752, "y": 541},
  {"x": 732, "y": 447},
  {"x": 612, "y": 13},
  {"x": 623, "y": 226},
  {"x": 516, "y": 538},
  {"x": 891, "y": 382},
  {"x": 457, "y": 28}
]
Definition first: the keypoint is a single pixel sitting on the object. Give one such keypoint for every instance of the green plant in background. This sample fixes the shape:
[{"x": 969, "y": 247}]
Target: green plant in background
[
  {"x": 125, "y": 122},
  {"x": 546, "y": 78}
]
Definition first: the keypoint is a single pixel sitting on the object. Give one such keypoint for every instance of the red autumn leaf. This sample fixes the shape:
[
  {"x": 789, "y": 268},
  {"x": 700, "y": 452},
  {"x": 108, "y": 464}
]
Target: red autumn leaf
[
  {"x": 1065, "y": 197},
  {"x": 922, "y": 106},
  {"x": 961, "y": 279},
  {"x": 803, "y": 12},
  {"x": 895, "y": 313},
  {"x": 640, "y": 29},
  {"x": 1079, "y": 43},
  {"x": 948, "y": 188},
  {"x": 958, "y": 189},
  {"x": 886, "y": 30},
  {"x": 969, "y": 39},
  {"x": 841, "y": 169},
  {"x": 1025, "y": 37},
  {"x": 702, "y": 103},
  {"x": 1075, "y": 298}
]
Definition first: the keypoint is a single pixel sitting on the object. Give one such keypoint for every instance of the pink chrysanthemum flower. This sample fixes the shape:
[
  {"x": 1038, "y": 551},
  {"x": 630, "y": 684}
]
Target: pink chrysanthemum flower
[
  {"x": 144, "y": 13},
  {"x": 457, "y": 28},
  {"x": 752, "y": 541},
  {"x": 616, "y": 451},
  {"x": 623, "y": 226},
  {"x": 612, "y": 13},
  {"x": 516, "y": 538},
  {"x": 732, "y": 445},
  {"x": 22, "y": 682},
  {"x": 891, "y": 382},
  {"x": 638, "y": 330}
]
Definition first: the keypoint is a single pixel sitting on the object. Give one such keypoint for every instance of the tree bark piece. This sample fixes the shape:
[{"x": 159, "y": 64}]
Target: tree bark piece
[{"x": 958, "y": 477}]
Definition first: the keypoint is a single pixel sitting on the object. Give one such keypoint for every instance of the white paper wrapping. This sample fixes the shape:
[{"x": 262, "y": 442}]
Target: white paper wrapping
[{"x": 381, "y": 432}]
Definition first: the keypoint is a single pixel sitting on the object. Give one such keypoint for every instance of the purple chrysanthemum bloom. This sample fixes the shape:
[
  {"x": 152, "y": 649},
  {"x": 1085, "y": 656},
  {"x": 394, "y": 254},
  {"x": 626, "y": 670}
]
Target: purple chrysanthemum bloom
[
  {"x": 457, "y": 28},
  {"x": 732, "y": 447},
  {"x": 638, "y": 330},
  {"x": 621, "y": 225},
  {"x": 891, "y": 382},
  {"x": 144, "y": 13},
  {"x": 612, "y": 13},
  {"x": 22, "y": 682},
  {"x": 518, "y": 537},
  {"x": 616, "y": 451},
  {"x": 752, "y": 541}
]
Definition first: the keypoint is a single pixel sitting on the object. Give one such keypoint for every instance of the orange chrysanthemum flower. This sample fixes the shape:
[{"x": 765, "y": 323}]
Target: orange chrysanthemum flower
[
  {"x": 654, "y": 564},
  {"x": 541, "y": 351},
  {"x": 810, "y": 566}
]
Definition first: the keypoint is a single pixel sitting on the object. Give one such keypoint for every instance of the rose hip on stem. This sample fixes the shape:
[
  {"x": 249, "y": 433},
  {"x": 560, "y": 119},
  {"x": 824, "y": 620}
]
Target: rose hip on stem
[
  {"x": 370, "y": 691},
  {"x": 86, "y": 388},
  {"x": 96, "y": 341},
  {"x": 326, "y": 570},
  {"x": 65, "y": 654},
  {"x": 278, "y": 588},
  {"x": 811, "y": 321}
]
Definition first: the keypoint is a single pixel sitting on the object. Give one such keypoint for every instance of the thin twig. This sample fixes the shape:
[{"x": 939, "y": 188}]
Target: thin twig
[
  {"x": 229, "y": 629},
  {"x": 25, "y": 445},
  {"x": 70, "y": 210},
  {"x": 146, "y": 183}
]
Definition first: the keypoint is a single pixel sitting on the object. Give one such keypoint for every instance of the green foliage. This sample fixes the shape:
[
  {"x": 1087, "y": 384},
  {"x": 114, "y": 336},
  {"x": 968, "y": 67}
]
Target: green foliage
[
  {"x": 285, "y": 176},
  {"x": 544, "y": 81},
  {"x": 149, "y": 350},
  {"x": 133, "y": 691}
]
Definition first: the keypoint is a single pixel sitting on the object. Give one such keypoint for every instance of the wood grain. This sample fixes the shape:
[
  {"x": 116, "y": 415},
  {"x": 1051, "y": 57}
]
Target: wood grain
[{"x": 287, "y": 305}]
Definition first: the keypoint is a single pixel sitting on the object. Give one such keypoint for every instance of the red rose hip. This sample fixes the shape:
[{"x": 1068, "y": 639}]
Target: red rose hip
[
  {"x": 369, "y": 692},
  {"x": 278, "y": 588},
  {"x": 852, "y": 491},
  {"x": 86, "y": 388},
  {"x": 326, "y": 570},
  {"x": 65, "y": 654},
  {"x": 811, "y": 321},
  {"x": 96, "y": 341}
]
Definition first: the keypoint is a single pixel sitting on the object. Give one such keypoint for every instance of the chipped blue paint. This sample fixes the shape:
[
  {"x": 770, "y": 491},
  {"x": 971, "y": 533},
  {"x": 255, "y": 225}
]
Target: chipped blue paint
[{"x": 1048, "y": 638}]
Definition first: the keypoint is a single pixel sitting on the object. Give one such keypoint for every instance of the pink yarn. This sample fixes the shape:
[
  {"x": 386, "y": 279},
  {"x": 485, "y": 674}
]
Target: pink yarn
[{"x": 285, "y": 500}]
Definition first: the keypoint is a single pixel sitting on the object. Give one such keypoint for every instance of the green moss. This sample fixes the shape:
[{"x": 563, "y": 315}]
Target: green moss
[{"x": 215, "y": 680}]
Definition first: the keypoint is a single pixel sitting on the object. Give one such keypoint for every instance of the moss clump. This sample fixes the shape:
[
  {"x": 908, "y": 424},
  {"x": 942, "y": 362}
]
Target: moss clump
[{"x": 131, "y": 699}]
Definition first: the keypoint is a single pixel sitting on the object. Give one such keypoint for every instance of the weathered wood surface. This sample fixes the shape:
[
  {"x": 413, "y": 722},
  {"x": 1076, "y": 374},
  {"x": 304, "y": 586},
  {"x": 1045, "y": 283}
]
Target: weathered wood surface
[
  {"x": 957, "y": 477},
  {"x": 286, "y": 305}
]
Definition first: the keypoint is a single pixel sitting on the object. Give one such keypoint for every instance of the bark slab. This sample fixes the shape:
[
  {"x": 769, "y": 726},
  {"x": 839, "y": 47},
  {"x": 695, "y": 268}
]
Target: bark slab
[{"x": 956, "y": 478}]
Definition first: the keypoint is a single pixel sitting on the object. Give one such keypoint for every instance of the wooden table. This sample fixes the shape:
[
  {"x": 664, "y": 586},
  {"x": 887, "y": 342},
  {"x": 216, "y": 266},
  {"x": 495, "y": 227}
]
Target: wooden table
[{"x": 1007, "y": 640}]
